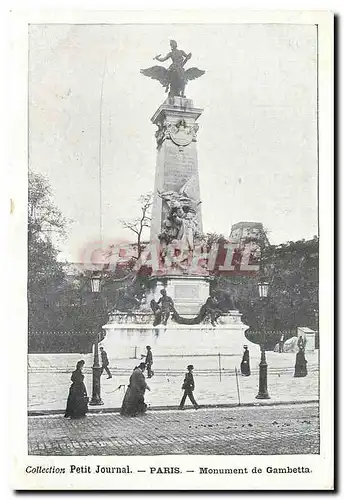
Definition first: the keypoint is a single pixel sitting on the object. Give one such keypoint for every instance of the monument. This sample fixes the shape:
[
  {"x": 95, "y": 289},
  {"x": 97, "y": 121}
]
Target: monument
[
  {"x": 180, "y": 314},
  {"x": 176, "y": 214}
]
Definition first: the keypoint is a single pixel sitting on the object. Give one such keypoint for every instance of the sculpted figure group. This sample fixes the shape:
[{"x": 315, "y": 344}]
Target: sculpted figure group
[
  {"x": 215, "y": 306},
  {"x": 180, "y": 223}
]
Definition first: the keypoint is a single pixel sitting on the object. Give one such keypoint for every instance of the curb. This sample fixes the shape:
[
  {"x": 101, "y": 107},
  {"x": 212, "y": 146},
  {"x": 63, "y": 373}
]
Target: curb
[{"x": 40, "y": 413}]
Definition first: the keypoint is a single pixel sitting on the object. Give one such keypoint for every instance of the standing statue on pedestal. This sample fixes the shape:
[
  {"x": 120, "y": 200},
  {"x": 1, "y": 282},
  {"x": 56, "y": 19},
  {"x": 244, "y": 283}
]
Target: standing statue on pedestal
[
  {"x": 189, "y": 230},
  {"x": 175, "y": 77}
]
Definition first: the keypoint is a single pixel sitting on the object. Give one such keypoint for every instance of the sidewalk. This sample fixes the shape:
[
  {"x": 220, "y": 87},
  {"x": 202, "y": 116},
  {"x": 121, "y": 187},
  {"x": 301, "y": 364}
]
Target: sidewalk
[
  {"x": 49, "y": 381},
  {"x": 284, "y": 429}
]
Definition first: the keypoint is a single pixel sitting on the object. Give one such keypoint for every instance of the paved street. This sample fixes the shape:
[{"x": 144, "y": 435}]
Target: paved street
[{"x": 284, "y": 429}]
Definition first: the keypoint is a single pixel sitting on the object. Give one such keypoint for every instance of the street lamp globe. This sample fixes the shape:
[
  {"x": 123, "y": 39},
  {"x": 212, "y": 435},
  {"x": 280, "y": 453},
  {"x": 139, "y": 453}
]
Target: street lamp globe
[
  {"x": 96, "y": 281},
  {"x": 263, "y": 287}
]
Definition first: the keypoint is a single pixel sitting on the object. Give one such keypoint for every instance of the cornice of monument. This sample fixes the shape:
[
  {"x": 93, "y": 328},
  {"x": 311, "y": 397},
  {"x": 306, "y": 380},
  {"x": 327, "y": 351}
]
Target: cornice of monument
[{"x": 176, "y": 106}]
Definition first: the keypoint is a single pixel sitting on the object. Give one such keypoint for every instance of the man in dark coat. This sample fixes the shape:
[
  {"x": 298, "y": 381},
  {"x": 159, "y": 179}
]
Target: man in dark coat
[
  {"x": 133, "y": 402},
  {"x": 245, "y": 363},
  {"x": 149, "y": 361},
  {"x": 105, "y": 362},
  {"x": 188, "y": 386}
]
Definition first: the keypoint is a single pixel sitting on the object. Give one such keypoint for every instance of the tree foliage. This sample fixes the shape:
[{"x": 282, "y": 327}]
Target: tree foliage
[
  {"x": 57, "y": 302},
  {"x": 62, "y": 307},
  {"x": 46, "y": 276},
  {"x": 292, "y": 272}
]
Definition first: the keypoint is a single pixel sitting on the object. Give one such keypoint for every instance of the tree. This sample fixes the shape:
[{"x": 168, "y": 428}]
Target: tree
[
  {"x": 64, "y": 314},
  {"x": 294, "y": 276},
  {"x": 292, "y": 271},
  {"x": 46, "y": 276},
  {"x": 122, "y": 288},
  {"x": 44, "y": 218},
  {"x": 139, "y": 224}
]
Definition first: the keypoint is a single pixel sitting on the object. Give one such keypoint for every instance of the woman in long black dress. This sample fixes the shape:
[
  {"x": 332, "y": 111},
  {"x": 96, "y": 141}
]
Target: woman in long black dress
[
  {"x": 245, "y": 363},
  {"x": 301, "y": 363},
  {"x": 77, "y": 398},
  {"x": 133, "y": 402}
]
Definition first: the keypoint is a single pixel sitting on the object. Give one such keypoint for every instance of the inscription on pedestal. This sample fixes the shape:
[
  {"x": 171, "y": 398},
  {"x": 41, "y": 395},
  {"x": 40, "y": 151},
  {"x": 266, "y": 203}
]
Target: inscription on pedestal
[
  {"x": 180, "y": 166},
  {"x": 186, "y": 292}
]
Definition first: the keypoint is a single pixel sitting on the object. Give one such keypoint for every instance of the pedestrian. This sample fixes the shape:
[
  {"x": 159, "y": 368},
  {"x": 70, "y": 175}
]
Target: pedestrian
[
  {"x": 300, "y": 364},
  {"x": 133, "y": 402},
  {"x": 149, "y": 362},
  {"x": 77, "y": 398},
  {"x": 188, "y": 387},
  {"x": 245, "y": 363},
  {"x": 301, "y": 343},
  {"x": 105, "y": 362},
  {"x": 281, "y": 344}
]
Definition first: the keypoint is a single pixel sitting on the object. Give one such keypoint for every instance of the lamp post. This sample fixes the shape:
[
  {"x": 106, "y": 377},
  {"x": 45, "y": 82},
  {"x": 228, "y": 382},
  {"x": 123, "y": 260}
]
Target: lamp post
[
  {"x": 96, "y": 368},
  {"x": 316, "y": 315},
  {"x": 263, "y": 288}
]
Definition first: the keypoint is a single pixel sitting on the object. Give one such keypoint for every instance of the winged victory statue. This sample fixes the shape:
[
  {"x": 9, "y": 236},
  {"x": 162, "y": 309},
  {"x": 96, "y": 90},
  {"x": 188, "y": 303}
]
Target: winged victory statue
[{"x": 175, "y": 77}]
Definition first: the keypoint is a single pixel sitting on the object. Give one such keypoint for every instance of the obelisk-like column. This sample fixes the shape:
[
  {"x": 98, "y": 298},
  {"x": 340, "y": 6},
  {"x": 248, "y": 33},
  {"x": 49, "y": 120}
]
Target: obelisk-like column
[
  {"x": 177, "y": 185},
  {"x": 177, "y": 165}
]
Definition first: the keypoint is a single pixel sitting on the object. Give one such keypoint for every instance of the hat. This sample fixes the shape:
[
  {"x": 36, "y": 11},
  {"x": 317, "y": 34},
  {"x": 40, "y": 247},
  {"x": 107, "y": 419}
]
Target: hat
[
  {"x": 245, "y": 345},
  {"x": 190, "y": 367},
  {"x": 148, "y": 347},
  {"x": 142, "y": 365}
]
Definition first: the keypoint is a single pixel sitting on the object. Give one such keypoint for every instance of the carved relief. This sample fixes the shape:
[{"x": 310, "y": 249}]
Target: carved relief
[
  {"x": 180, "y": 133},
  {"x": 180, "y": 223}
]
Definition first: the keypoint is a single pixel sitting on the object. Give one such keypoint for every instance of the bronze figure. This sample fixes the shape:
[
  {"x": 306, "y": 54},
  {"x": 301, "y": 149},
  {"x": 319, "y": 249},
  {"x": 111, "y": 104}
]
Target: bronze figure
[{"x": 175, "y": 77}]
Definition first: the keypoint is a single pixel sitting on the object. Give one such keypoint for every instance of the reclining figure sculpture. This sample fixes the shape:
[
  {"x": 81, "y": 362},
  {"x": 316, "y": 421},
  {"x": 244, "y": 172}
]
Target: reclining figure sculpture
[{"x": 214, "y": 307}]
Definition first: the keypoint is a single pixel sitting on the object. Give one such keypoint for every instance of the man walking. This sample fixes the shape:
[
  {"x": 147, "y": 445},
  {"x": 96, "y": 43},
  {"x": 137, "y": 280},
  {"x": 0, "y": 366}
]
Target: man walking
[
  {"x": 149, "y": 361},
  {"x": 105, "y": 362},
  {"x": 281, "y": 344},
  {"x": 188, "y": 386}
]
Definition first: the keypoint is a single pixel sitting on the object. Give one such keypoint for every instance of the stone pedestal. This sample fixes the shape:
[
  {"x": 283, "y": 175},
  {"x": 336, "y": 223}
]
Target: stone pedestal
[
  {"x": 176, "y": 165},
  {"x": 188, "y": 293},
  {"x": 128, "y": 335}
]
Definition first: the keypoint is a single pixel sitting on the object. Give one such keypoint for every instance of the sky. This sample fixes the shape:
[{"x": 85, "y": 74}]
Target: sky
[{"x": 257, "y": 141}]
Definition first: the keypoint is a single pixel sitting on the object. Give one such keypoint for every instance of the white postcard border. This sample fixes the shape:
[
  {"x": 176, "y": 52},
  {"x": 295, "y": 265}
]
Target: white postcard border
[{"x": 321, "y": 465}]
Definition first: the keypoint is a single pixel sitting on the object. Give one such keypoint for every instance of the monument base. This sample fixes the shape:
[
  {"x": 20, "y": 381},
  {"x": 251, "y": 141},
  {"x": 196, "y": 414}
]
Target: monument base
[
  {"x": 188, "y": 293},
  {"x": 126, "y": 338}
]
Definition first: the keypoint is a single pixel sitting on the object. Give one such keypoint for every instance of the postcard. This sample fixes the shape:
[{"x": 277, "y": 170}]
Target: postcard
[{"x": 171, "y": 229}]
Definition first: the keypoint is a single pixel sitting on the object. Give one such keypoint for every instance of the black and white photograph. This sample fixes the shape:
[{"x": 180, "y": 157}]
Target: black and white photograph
[{"x": 176, "y": 329}]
